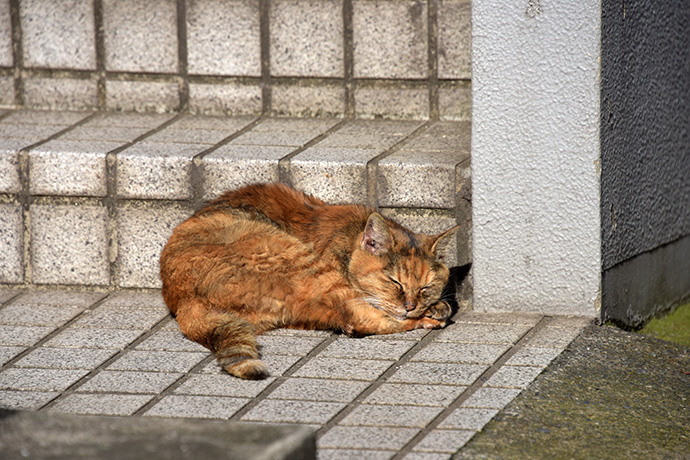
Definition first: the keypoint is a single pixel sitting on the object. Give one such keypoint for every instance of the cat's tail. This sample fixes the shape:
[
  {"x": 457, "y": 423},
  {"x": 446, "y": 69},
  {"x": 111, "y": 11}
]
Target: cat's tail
[{"x": 231, "y": 338}]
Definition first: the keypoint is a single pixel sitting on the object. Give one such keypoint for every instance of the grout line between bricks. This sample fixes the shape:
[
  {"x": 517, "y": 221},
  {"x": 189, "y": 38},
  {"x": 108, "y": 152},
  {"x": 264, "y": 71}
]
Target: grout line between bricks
[
  {"x": 284, "y": 163},
  {"x": 17, "y": 53},
  {"x": 100, "y": 53},
  {"x": 282, "y": 378},
  {"x": 182, "y": 54},
  {"x": 469, "y": 391},
  {"x": 372, "y": 165},
  {"x": 409, "y": 354},
  {"x": 432, "y": 29},
  {"x": 265, "y": 50},
  {"x": 348, "y": 58}
]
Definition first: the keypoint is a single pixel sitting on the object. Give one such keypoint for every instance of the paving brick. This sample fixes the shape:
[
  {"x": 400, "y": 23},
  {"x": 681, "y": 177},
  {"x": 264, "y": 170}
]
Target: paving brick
[
  {"x": 101, "y": 404},
  {"x": 367, "y": 348},
  {"x": 360, "y": 437},
  {"x": 22, "y": 335},
  {"x": 571, "y": 322},
  {"x": 31, "y": 133},
  {"x": 60, "y": 358},
  {"x": 279, "y": 364},
  {"x": 169, "y": 341},
  {"x": 307, "y": 99},
  {"x": 354, "y": 454},
  {"x": 392, "y": 102},
  {"x": 492, "y": 398},
  {"x": 437, "y": 373},
  {"x": 232, "y": 166},
  {"x": 58, "y": 298},
  {"x": 313, "y": 126},
  {"x": 69, "y": 245},
  {"x": 273, "y": 345},
  {"x": 129, "y": 382},
  {"x": 87, "y": 132},
  {"x": 461, "y": 353},
  {"x": 7, "y": 94},
  {"x": 483, "y": 333},
  {"x": 134, "y": 300},
  {"x": 214, "y": 28},
  {"x": 533, "y": 356},
  {"x": 296, "y": 388},
  {"x": 110, "y": 318},
  {"x": 333, "y": 174},
  {"x": 443, "y": 441},
  {"x": 554, "y": 337},
  {"x": 455, "y": 104},
  {"x": 71, "y": 168},
  {"x": 9, "y": 352},
  {"x": 11, "y": 244},
  {"x": 427, "y": 456},
  {"x": 142, "y": 96},
  {"x": 291, "y": 139},
  {"x": 6, "y": 59},
  {"x": 415, "y": 336},
  {"x": 498, "y": 318},
  {"x": 93, "y": 338},
  {"x": 39, "y": 315},
  {"x": 275, "y": 410},
  {"x": 225, "y": 99},
  {"x": 468, "y": 419},
  {"x": 397, "y": 128},
  {"x": 58, "y": 37},
  {"x": 60, "y": 93},
  {"x": 356, "y": 369},
  {"x": 53, "y": 120},
  {"x": 7, "y": 294},
  {"x": 197, "y": 406},
  {"x": 132, "y": 120},
  {"x": 391, "y": 415},
  {"x": 140, "y": 37},
  {"x": 222, "y": 385},
  {"x": 284, "y": 332},
  {"x": 514, "y": 376},
  {"x": 157, "y": 361},
  {"x": 142, "y": 234},
  {"x": 415, "y": 394},
  {"x": 26, "y": 400},
  {"x": 39, "y": 379},
  {"x": 200, "y": 137},
  {"x": 9, "y": 163},
  {"x": 378, "y": 142},
  {"x": 390, "y": 39},
  {"x": 454, "y": 39}
]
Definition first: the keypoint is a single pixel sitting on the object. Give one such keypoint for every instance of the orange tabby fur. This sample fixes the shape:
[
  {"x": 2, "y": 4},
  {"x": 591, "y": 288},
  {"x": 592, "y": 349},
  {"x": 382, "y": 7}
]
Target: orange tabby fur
[{"x": 267, "y": 256}]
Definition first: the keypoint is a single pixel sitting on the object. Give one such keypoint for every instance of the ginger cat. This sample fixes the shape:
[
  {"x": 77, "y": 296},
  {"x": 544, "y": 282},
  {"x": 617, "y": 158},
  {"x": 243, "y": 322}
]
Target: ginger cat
[{"x": 268, "y": 256}]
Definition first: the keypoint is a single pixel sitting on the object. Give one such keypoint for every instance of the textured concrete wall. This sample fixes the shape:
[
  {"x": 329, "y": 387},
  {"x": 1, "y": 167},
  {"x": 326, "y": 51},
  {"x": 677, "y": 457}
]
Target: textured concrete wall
[
  {"x": 645, "y": 157},
  {"x": 535, "y": 152}
]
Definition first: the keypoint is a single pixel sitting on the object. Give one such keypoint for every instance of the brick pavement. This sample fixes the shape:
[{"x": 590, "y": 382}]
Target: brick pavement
[{"x": 419, "y": 395}]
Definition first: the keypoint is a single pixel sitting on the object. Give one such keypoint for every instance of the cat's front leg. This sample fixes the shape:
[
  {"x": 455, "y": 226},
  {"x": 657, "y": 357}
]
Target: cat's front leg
[
  {"x": 366, "y": 320},
  {"x": 440, "y": 311}
]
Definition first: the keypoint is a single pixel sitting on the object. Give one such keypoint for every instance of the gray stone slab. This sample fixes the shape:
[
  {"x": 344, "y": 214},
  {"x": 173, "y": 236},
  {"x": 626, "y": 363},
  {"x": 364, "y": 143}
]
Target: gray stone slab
[
  {"x": 306, "y": 99},
  {"x": 555, "y": 337},
  {"x": 9, "y": 352},
  {"x": 69, "y": 245},
  {"x": 214, "y": 28},
  {"x": 483, "y": 333},
  {"x": 134, "y": 120},
  {"x": 214, "y": 407},
  {"x": 142, "y": 233},
  {"x": 9, "y": 163},
  {"x": 67, "y": 436},
  {"x": 306, "y": 38},
  {"x": 491, "y": 398},
  {"x": 142, "y": 319},
  {"x": 93, "y": 338},
  {"x": 55, "y": 120},
  {"x": 415, "y": 394},
  {"x": 470, "y": 353},
  {"x": 273, "y": 345},
  {"x": 61, "y": 93},
  {"x": 227, "y": 124},
  {"x": 22, "y": 335},
  {"x": 29, "y": 132},
  {"x": 7, "y": 94},
  {"x": 571, "y": 322},
  {"x": 58, "y": 298},
  {"x": 175, "y": 134},
  {"x": 437, "y": 373},
  {"x": 392, "y": 101},
  {"x": 58, "y": 37},
  {"x": 231, "y": 99},
  {"x": 313, "y": 126},
  {"x": 38, "y": 315},
  {"x": 142, "y": 96},
  {"x": 378, "y": 142},
  {"x": 443, "y": 441},
  {"x": 468, "y": 419},
  {"x": 284, "y": 332},
  {"x": 356, "y": 369},
  {"x": 333, "y": 174},
  {"x": 26, "y": 400},
  {"x": 391, "y": 415},
  {"x": 11, "y": 243},
  {"x": 157, "y": 361},
  {"x": 477, "y": 317},
  {"x": 415, "y": 336},
  {"x": 514, "y": 376},
  {"x": 40, "y": 379},
  {"x": 396, "y": 50},
  {"x": 279, "y": 364},
  {"x": 170, "y": 341},
  {"x": 129, "y": 382},
  {"x": 454, "y": 39},
  {"x": 7, "y": 294},
  {"x": 222, "y": 385},
  {"x": 360, "y": 437},
  {"x": 359, "y": 127},
  {"x": 291, "y": 139},
  {"x": 367, "y": 348},
  {"x": 426, "y": 456},
  {"x": 90, "y": 132},
  {"x": 277, "y": 410},
  {"x": 6, "y": 59},
  {"x": 311, "y": 389},
  {"x": 455, "y": 104},
  {"x": 134, "y": 300},
  {"x": 534, "y": 356},
  {"x": 101, "y": 404},
  {"x": 354, "y": 454},
  {"x": 62, "y": 358},
  {"x": 140, "y": 37}
]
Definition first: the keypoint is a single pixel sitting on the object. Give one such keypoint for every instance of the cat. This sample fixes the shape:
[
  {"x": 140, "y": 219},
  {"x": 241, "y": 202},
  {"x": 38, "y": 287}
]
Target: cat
[{"x": 267, "y": 256}]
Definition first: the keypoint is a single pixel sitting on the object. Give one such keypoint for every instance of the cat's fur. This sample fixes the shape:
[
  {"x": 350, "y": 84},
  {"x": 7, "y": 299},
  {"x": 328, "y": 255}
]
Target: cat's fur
[{"x": 267, "y": 256}]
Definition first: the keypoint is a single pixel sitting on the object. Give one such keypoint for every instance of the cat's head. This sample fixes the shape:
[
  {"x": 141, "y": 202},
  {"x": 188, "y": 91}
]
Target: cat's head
[{"x": 398, "y": 271}]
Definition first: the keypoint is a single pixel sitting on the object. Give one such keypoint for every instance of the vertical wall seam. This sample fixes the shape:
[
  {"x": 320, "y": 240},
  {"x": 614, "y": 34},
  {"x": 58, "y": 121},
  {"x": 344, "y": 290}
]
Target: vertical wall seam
[
  {"x": 348, "y": 58},
  {"x": 100, "y": 53},
  {"x": 265, "y": 44},
  {"x": 182, "y": 55},
  {"x": 17, "y": 53},
  {"x": 432, "y": 18}
]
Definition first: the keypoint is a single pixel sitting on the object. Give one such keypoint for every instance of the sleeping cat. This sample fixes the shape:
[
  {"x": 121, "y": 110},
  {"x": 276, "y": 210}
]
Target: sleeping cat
[{"x": 268, "y": 256}]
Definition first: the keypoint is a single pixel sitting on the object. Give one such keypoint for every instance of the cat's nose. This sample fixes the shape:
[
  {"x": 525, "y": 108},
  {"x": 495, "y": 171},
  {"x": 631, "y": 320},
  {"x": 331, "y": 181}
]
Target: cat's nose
[{"x": 409, "y": 306}]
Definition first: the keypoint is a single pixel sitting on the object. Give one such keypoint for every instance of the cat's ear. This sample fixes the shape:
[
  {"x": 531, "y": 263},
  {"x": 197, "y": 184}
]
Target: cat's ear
[
  {"x": 440, "y": 242},
  {"x": 376, "y": 238}
]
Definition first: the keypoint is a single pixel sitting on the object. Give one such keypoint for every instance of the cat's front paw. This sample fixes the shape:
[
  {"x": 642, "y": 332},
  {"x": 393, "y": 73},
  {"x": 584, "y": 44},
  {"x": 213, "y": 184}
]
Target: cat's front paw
[
  {"x": 429, "y": 323},
  {"x": 440, "y": 311}
]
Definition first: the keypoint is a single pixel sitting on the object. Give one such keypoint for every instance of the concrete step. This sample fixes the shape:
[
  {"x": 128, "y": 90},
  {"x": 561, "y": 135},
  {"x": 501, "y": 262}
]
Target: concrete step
[{"x": 90, "y": 198}]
